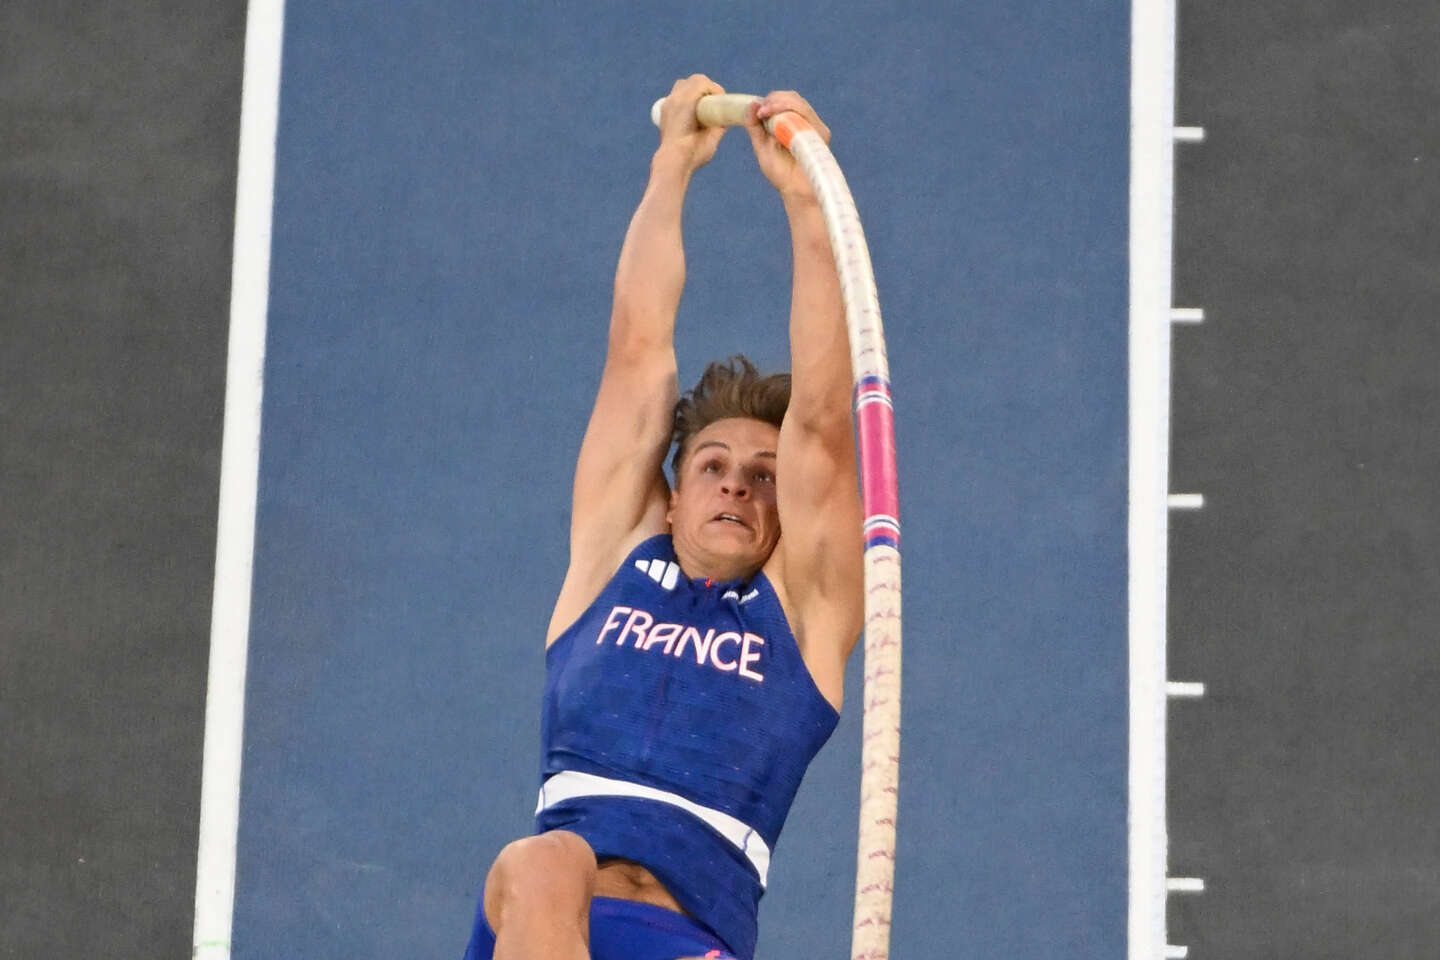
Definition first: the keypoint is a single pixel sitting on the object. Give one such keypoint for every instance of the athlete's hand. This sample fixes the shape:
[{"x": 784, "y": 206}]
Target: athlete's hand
[
  {"x": 680, "y": 132},
  {"x": 777, "y": 163}
]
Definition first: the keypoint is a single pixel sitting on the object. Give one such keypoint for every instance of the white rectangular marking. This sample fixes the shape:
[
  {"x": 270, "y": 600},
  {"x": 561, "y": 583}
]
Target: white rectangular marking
[
  {"x": 1185, "y": 885},
  {"x": 1184, "y": 691},
  {"x": 1185, "y": 501},
  {"x": 1187, "y": 315},
  {"x": 1189, "y": 134}
]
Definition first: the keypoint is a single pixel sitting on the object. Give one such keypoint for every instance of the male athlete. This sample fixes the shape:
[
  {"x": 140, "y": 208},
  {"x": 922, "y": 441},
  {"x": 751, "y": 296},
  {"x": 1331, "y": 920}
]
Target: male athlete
[{"x": 695, "y": 658}]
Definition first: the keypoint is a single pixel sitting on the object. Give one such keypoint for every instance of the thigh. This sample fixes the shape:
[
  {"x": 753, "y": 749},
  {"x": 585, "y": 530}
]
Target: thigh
[{"x": 533, "y": 880}]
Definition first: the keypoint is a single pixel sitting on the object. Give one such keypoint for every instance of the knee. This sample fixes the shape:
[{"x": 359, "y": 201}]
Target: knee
[{"x": 552, "y": 873}]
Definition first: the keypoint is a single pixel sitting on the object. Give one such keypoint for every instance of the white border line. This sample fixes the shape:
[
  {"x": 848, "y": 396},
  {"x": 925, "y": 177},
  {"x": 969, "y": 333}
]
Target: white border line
[
  {"x": 239, "y": 476},
  {"x": 1152, "y": 146}
]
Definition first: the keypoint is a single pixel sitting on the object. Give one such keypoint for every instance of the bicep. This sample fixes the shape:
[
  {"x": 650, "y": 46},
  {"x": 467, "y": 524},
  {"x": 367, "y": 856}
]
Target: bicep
[
  {"x": 619, "y": 473},
  {"x": 820, "y": 522},
  {"x": 620, "y": 494}
]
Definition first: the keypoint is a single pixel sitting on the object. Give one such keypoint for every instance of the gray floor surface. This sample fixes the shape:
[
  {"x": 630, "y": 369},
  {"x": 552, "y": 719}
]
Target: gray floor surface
[{"x": 1306, "y": 594}]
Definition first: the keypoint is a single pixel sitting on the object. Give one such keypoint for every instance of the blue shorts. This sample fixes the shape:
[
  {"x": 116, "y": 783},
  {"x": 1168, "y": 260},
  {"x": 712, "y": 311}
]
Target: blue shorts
[{"x": 624, "y": 930}]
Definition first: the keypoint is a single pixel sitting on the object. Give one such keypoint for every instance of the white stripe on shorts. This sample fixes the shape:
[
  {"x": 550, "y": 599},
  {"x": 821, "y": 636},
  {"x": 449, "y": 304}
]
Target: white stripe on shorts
[{"x": 568, "y": 784}]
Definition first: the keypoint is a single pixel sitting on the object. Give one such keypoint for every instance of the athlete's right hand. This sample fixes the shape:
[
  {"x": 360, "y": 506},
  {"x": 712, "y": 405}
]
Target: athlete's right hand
[{"x": 680, "y": 133}]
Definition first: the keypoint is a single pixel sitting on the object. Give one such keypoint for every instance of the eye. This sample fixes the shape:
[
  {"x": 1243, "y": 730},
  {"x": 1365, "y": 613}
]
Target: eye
[
  {"x": 710, "y": 466},
  {"x": 764, "y": 476}
]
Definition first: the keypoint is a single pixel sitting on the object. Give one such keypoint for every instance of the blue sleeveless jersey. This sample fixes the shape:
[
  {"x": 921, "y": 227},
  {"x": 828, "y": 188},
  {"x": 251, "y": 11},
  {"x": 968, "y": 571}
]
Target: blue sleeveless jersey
[{"x": 678, "y": 721}]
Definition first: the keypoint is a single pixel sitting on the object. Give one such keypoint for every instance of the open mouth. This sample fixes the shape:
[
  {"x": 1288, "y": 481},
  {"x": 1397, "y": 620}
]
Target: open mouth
[{"x": 729, "y": 518}]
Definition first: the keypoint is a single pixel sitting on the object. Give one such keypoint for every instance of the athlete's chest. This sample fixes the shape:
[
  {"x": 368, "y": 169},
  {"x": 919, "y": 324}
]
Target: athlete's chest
[{"x": 660, "y": 622}]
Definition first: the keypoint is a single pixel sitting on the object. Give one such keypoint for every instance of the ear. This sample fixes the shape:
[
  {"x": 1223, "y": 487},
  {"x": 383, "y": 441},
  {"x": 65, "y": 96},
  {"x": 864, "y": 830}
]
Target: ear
[{"x": 670, "y": 511}]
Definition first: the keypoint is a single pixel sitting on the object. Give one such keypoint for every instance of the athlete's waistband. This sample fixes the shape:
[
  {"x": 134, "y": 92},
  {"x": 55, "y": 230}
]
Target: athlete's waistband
[{"x": 569, "y": 784}]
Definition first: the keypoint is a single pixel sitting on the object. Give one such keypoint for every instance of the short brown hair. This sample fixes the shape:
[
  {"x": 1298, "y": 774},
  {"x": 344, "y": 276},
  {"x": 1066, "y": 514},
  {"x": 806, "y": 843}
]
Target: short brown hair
[{"x": 729, "y": 388}]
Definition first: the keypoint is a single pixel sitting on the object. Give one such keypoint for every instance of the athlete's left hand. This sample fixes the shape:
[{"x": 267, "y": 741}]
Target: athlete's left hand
[{"x": 776, "y": 162}]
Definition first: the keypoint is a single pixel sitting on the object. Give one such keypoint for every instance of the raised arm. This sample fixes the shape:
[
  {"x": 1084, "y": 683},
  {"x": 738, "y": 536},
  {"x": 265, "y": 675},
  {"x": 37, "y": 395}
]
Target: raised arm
[
  {"x": 619, "y": 494},
  {"x": 819, "y": 557}
]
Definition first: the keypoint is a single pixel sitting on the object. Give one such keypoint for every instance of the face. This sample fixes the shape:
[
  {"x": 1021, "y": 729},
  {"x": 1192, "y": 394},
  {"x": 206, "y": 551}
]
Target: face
[{"x": 723, "y": 512}]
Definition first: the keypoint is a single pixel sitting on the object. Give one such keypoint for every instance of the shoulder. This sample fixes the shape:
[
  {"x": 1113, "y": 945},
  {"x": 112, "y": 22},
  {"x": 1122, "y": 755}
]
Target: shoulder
[{"x": 589, "y": 576}]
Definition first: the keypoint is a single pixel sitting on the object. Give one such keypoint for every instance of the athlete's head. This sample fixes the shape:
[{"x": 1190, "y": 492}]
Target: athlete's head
[{"x": 723, "y": 513}]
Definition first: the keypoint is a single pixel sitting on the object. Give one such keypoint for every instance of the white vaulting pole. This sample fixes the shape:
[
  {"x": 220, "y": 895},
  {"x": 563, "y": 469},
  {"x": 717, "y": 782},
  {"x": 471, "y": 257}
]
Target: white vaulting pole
[
  {"x": 239, "y": 476},
  {"x": 874, "y": 415}
]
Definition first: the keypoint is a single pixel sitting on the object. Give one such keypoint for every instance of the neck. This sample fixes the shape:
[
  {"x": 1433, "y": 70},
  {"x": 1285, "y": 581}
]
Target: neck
[{"x": 698, "y": 564}]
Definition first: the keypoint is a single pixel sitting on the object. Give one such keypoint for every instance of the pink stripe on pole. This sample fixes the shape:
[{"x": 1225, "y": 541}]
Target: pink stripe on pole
[{"x": 879, "y": 486}]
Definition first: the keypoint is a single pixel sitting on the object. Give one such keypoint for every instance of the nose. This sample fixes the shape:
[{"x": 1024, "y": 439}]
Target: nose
[{"x": 734, "y": 483}]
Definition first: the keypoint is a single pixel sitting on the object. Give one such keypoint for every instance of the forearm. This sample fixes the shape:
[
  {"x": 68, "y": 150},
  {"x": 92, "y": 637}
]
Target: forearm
[
  {"x": 819, "y": 344},
  {"x": 651, "y": 273}
]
